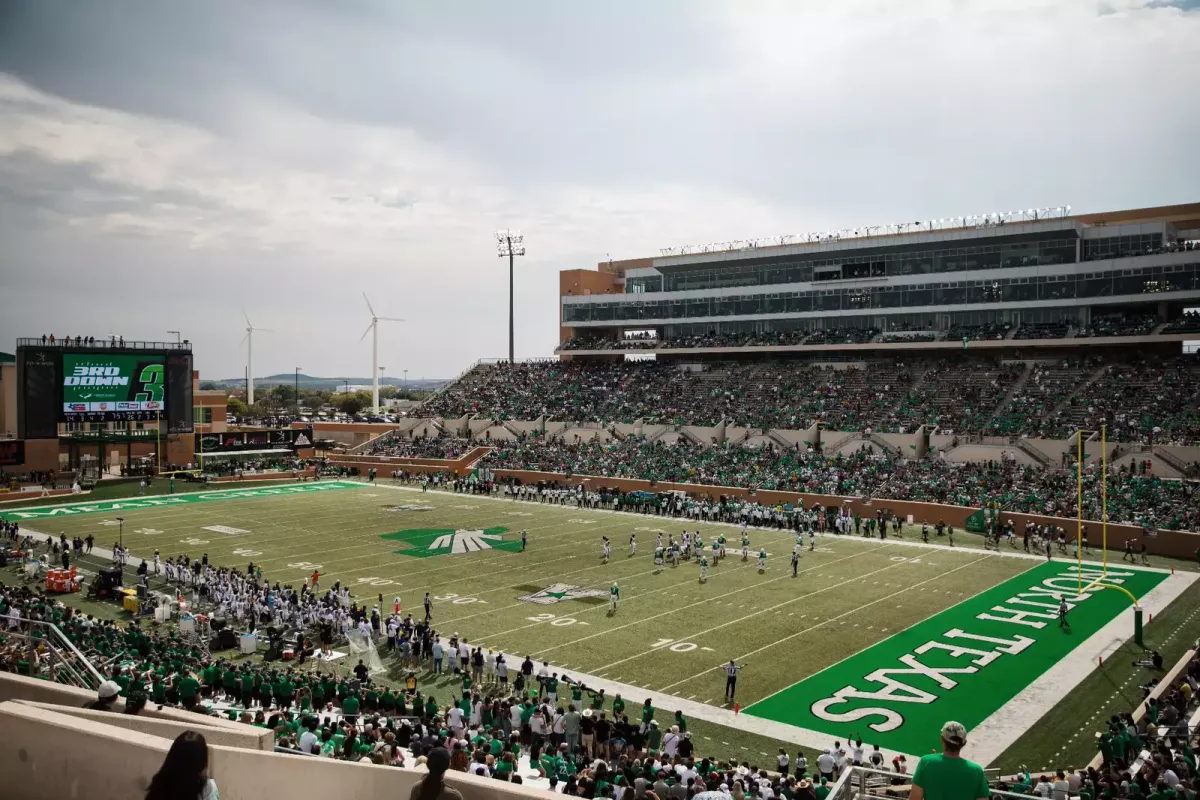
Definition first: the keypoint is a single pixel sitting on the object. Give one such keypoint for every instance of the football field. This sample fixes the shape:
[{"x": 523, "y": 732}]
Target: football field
[{"x": 882, "y": 638}]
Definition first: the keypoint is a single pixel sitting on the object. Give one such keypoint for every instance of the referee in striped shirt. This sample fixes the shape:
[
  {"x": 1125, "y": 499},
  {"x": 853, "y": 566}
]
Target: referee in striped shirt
[{"x": 731, "y": 673}]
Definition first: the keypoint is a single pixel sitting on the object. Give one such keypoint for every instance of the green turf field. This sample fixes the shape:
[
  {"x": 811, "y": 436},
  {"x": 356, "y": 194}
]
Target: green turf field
[{"x": 670, "y": 633}]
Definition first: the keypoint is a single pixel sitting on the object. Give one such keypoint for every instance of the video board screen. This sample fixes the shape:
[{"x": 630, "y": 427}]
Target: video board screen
[{"x": 111, "y": 386}]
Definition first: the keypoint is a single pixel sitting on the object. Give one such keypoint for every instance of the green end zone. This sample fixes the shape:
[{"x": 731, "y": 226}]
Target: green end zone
[
  {"x": 962, "y": 664},
  {"x": 160, "y": 501}
]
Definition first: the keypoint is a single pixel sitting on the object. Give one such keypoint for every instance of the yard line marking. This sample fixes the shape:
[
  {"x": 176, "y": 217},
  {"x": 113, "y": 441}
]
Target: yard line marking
[
  {"x": 703, "y": 633},
  {"x": 811, "y": 628},
  {"x": 756, "y": 586}
]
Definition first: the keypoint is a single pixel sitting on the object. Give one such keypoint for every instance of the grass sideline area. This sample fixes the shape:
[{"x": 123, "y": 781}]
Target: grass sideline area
[
  {"x": 1065, "y": 736},
  {"x": 670, "y": 632}
]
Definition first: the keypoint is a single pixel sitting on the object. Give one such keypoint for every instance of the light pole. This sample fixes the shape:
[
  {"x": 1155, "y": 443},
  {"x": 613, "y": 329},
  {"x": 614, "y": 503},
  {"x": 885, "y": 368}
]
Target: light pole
[
  {"x": 296, "y": 389},
  {"x": 406, "y": 382},
  {"x": 378, "y": 408},
  {"x": 511, "y": 244},
  {"x": 121, "y": 531}
]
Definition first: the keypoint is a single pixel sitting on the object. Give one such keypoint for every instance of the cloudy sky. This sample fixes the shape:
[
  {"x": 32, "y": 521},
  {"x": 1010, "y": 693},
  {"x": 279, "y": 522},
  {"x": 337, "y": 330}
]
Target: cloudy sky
[{"x": 165, "y": 165}]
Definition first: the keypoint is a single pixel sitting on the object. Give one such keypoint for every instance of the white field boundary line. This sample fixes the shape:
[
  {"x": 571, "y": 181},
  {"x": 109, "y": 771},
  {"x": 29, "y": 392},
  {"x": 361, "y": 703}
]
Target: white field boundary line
[
  {"x": 997, "y": 733},
  {"x": 662, "y": 701},
  {"x": 820, "y": 624},
  {"x": 688, "y": 522},
  {"x": 705, "y": 601},
  {"x": 106, "y": 553},
  {"x": 225, "y": 548},
  {"x": 896, "y": 633},
  {"x": 244, "y": 488}
]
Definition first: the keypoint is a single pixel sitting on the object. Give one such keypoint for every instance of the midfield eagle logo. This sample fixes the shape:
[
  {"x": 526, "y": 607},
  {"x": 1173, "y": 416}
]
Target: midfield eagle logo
[{"x": 428, "y": 542}]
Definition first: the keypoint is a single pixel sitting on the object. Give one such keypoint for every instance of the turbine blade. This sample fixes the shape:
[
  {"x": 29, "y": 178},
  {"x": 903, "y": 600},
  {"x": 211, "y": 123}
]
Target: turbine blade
[
  {"x": 264, "y": 330},
  {"x": 372, "y": 310},
  {"x": 247, "y": 316},
  {"x": 390, "y": 319},
  {"x": 244, "y": 338},
  {"x": 368, "y": 330}
]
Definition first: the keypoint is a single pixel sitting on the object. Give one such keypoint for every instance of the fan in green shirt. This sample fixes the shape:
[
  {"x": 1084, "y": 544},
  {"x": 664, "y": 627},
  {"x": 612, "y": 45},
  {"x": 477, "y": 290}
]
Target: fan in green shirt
[
  {"x": 350, "y": 705},
  {"x": 187, "y": 686},
  {"x": 431, "y": 707},
  {"x": 946, "y": 776},
  {"x": 681, "y": 721},
  {"x": 821, "y": 791},
  {"x": 618, "y": 706},
  {"x": 647, "y": 713}
]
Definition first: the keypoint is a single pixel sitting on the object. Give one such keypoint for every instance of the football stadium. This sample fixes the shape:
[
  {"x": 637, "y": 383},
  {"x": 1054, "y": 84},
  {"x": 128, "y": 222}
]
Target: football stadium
[
  {"x": 879, "y": 511},
  {"x": 804, "y": 521}
]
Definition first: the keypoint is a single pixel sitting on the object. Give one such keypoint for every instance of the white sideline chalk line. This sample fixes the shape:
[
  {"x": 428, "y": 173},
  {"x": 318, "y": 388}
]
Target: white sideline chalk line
[{"x": 996, "y": 734}]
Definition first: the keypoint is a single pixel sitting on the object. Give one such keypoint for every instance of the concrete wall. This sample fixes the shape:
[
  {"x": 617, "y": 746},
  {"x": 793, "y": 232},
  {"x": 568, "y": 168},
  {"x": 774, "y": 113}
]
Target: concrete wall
[
  {"x": 966, "y": 453},
  {"x": 54, "y": 756},
  {"x": 707, "y": 435}
]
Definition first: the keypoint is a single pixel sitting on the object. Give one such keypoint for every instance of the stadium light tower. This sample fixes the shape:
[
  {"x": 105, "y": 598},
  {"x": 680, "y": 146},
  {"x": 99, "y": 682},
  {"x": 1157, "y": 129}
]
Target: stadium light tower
[
  {"x": 511, "y": 244},
  {"x": 373, "y": 329},
  {"x": 249, "y": 340}
]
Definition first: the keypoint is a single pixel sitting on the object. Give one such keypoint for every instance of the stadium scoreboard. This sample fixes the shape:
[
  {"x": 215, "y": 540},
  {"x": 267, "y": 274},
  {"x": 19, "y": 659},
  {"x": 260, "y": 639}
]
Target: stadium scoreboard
[
  {"x": 99, "y": 386},
  {"x": 99, "y": 383}
]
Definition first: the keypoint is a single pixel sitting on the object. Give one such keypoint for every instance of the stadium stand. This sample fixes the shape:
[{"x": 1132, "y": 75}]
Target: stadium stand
[{"x": 1142, "y": 399}]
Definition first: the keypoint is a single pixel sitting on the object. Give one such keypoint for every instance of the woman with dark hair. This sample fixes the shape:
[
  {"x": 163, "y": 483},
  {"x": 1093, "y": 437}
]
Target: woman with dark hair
[
  {"x": 184, "y": 772},
  {"x": 433, "y": 785}
]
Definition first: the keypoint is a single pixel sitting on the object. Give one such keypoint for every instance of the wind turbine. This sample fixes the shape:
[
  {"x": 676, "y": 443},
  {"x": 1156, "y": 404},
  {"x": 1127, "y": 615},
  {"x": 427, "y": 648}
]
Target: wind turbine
[
  {"x": 249, "y": 340},
  {"x": 373, "y": 329}
]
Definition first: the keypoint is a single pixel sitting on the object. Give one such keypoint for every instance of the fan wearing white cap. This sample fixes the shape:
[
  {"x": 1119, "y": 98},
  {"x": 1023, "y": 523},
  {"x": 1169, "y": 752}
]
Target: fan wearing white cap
[
  {"x": 947, "y": 775},
  {"x": 107, "y": 696}
]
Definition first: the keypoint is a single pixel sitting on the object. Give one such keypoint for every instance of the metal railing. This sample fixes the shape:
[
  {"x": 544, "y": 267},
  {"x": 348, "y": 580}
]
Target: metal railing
[
  {"x": 860, "y": 783},
  {"x": 104, "y": 344},
  {"x": 52, "y": 655}
]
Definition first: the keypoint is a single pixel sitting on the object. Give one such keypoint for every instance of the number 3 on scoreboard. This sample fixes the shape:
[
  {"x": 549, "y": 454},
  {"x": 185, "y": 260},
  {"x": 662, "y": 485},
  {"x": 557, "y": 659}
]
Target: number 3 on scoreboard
[{"x": 152, "y": 384}]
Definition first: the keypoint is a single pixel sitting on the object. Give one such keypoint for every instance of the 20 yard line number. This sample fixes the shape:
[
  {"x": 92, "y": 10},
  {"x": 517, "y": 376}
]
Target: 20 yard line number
[
  {"x": 457, "y": 599},
  {"x": 677, "y": 647},
  {"x": 558, "y": 622}
]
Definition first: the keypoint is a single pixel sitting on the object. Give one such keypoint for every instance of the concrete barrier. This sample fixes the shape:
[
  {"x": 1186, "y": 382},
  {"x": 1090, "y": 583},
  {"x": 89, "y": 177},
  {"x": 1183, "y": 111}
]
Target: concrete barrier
[
  {"x": 32, "y": 690},
  {"x": 51, "y": 755}
]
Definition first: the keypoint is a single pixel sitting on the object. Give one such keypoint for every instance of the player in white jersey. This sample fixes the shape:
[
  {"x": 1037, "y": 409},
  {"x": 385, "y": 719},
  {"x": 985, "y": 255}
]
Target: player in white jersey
[
  {"x": 156, "y": 562},
  {"x": 743, "y": 529},
  {"x": 812, "y": 539},
  {"x": 703, "y": 568},
  {"x": 632, "y": 545},
  {"x": 716, "y": 552},
  {"x": 658, "y": 559},
  {"x": 660, "y": 544},
  {"x": 799, "y": 543},
  {"x": 762, "y": 560},
  {"x": 607, "y": 549},
  {"x": 698, "y": 544}
]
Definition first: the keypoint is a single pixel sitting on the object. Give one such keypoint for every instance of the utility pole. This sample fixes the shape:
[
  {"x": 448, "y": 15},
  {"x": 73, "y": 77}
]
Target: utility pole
[
  {"x": 510, "y": 243},
  {"x": 297, "y": 391}
]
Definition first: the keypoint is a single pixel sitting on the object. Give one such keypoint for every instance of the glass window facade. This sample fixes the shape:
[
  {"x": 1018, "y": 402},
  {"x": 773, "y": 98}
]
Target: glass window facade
[
  {"x": 1145, "y": 280},
  {"x": 1121, "y": 246},
  {"x": 868, "y": 263}
]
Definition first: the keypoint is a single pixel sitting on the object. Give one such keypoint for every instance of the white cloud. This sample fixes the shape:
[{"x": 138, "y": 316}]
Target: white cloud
[{"x": 387, "y": 163}]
